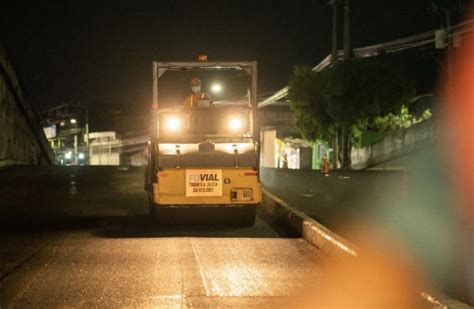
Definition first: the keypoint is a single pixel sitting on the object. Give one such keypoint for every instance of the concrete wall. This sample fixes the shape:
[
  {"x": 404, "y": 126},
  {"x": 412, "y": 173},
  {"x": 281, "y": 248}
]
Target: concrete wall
[
  {"x": 22, "y": 140},
  {"x": 394, "y": 146}
]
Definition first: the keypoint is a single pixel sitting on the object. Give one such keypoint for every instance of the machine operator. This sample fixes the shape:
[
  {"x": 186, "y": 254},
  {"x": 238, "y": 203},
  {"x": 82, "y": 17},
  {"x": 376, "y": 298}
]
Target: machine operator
[{"x": 194, "y": 99}]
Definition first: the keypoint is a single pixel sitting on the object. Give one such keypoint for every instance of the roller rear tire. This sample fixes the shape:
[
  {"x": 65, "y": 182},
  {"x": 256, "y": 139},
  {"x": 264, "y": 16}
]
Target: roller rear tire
[{"x": 249, "y": 216}]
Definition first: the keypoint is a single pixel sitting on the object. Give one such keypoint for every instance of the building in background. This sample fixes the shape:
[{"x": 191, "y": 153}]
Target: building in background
[
  {"x": 66, "y": 127},
  {"x": 130, "y": 122},
  {"x": 104, "y": 148},
  {"x": 120, "y": 133},
  {"x": 282, "y": 144}
]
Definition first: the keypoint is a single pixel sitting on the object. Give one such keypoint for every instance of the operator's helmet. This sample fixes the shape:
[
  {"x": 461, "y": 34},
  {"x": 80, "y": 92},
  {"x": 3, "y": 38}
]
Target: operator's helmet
[{"x": 195, "y": 82}]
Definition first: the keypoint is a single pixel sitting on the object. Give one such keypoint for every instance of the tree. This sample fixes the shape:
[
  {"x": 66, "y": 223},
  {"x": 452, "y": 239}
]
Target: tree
[{"x": 335, "y": 100}]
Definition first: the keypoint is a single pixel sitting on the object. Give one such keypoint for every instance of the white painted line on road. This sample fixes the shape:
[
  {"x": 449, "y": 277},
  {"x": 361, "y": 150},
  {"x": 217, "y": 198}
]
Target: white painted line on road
[{"x": 201, "y": 271}]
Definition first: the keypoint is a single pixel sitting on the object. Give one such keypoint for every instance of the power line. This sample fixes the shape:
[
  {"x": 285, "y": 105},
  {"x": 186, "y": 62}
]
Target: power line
[{"x": 395, "y": 46}]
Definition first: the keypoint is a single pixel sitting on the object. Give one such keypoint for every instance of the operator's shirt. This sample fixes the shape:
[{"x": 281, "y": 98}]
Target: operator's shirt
[{"x": 191, "y": 100}]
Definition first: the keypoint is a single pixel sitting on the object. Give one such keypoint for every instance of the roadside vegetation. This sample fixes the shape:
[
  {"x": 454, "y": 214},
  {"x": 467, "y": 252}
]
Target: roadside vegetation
[{"x": 347, "y": 99}]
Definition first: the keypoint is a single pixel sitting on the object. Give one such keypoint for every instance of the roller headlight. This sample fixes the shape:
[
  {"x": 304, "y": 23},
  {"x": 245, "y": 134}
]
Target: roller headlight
[
  {"x": 235, "y": 124},
  {"x": 172, "y": 124}
]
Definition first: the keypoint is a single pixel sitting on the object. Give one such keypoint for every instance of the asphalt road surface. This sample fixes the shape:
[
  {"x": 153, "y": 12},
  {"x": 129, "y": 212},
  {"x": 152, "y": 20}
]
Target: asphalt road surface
[{"x": 80, "y": 236}]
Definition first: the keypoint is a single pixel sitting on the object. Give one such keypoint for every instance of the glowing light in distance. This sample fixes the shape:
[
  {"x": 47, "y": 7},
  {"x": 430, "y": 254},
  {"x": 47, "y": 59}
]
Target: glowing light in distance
[
  {"x": 73, "y": 121},
  {"x": 235, "y": 124},
  {"x": 81, "y": 156},
  {"x": 172, "y": 123},
  {"x": 216, "y": 88},
  {"x": 68, "y": 155}
]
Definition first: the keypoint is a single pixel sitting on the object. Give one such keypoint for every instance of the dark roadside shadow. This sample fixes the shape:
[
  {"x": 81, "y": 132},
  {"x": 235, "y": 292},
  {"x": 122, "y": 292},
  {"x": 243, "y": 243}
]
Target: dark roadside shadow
[{"x": 144, "y": 226}]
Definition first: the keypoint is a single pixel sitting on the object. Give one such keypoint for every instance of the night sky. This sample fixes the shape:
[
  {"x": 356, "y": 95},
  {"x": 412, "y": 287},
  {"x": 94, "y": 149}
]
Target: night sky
[{"x": 102, "y": 51}]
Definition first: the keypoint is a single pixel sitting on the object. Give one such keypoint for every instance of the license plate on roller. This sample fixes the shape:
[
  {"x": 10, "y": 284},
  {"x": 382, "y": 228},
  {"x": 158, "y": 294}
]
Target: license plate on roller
[{"x": 241, "y": 195}]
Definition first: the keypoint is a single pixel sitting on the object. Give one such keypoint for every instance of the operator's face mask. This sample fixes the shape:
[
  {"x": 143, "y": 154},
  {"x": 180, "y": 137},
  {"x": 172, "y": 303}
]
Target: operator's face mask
[{"x": 196, "y": 89}]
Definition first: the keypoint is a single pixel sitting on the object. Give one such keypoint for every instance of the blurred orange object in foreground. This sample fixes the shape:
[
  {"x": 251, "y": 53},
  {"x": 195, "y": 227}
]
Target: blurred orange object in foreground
[
  {"x": 382, "y": 276},
  {"x": 457, "y": 124}
]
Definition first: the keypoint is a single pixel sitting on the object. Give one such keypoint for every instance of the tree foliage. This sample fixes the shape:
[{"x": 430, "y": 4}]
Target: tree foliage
[
  {"x": 308, "y": 104},
  {"x": 344, "y": 95},
  {"x": 396, "y": 121}
]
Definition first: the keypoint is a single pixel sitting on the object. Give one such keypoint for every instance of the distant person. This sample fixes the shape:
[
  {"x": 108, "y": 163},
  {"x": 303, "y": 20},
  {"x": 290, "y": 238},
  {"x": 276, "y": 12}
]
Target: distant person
[{"x": 192, "y": 100}]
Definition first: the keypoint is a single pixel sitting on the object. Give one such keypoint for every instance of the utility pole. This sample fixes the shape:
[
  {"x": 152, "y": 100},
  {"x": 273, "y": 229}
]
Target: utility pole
[
  {"x": 334, "y": 4},
  {"x": 335, "y": 146},
  {"x": 75, "y": 149},
  {"x": 87, "y": 136},
  {"x": 444, "y": 39},
  {"x": 345, "y": 139},
  {"x": 347, "y": 56},
  {"x": 449, "y": 73},
  {"x": 448, "y": 8},
  {"x": 347, "y": 45}
]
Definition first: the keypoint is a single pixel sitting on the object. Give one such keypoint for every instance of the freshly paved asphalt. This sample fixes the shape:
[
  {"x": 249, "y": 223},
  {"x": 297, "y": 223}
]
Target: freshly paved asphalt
[{"x": 80, "y": 236}]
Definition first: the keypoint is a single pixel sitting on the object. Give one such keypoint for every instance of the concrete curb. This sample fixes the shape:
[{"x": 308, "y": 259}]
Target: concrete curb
[
  {"x": 444, "y": 302},
  {"x": 313, "y": 232}
]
